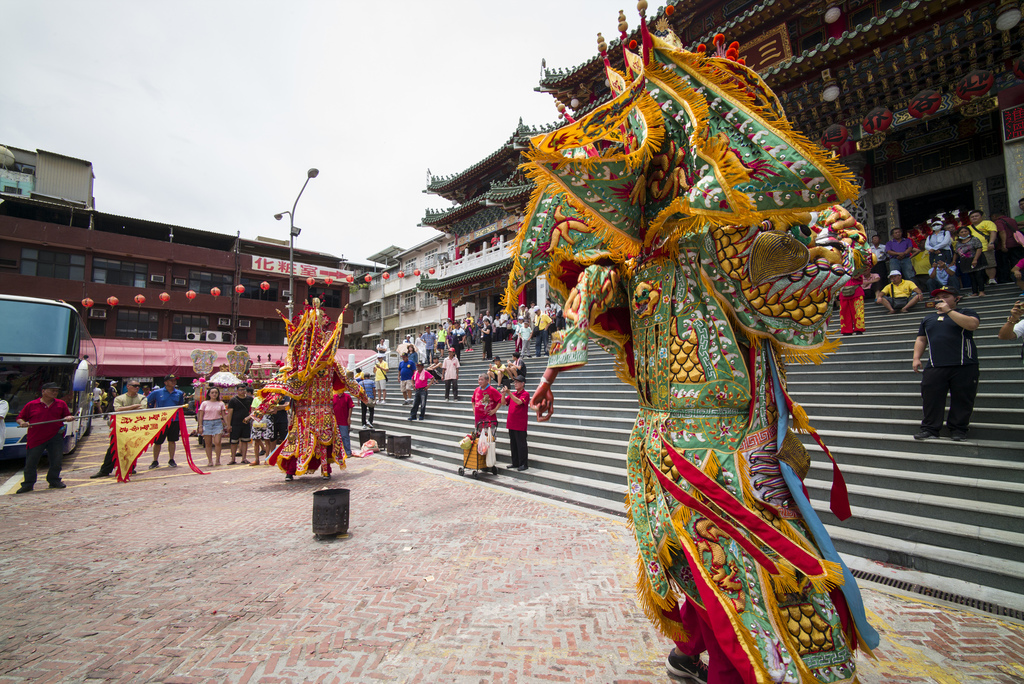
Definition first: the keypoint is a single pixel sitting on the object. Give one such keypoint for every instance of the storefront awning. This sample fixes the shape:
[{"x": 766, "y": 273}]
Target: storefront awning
[{"x": 118, "y": 358}]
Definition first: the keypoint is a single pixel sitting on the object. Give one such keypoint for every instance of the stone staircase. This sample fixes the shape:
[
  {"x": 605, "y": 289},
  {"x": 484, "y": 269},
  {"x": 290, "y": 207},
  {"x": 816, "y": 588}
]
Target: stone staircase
[{"x": 944, "y": 513}]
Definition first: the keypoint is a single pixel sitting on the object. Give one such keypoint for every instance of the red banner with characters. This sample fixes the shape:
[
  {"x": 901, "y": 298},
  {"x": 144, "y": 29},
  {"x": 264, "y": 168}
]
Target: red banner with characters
[{"x": 134, "y": 431}]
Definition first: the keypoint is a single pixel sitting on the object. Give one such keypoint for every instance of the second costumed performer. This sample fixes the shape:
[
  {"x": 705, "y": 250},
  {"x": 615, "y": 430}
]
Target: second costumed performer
[{"x": 309, "y": 377}]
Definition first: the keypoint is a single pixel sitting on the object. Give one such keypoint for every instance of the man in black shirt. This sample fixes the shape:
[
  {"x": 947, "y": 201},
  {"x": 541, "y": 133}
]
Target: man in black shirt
[
  {"x": 241, "y": 428},
  {"x": 948, "y": 333}
]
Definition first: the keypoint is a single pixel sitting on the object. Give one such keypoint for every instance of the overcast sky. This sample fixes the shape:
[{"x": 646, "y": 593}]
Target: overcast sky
[{"x": 208, "y": 114}]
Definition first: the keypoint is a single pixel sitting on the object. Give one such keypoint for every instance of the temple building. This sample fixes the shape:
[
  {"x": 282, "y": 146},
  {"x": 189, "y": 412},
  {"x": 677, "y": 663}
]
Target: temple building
[
  {"x": 488, "y": 200},
  {"x": 923, "y": 100}
]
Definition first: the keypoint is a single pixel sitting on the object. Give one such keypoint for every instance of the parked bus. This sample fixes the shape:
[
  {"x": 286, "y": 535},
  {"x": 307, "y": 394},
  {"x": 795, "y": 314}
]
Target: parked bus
[{"x": 42, "y": 341}]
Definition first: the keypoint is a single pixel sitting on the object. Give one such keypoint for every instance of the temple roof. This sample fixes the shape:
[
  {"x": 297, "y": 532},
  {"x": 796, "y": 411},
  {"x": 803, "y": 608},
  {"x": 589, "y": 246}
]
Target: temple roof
[
  {"x": 511, "y": 191},
  {"x": 503, "y": 161},
  {"x": 434, "y": 285}
]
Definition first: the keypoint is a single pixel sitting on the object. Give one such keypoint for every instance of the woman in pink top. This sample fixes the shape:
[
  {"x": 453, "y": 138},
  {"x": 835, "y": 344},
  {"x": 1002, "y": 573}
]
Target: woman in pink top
[
  {"x": 421, "y": 380},
  {"x": 213, "y": 415}
]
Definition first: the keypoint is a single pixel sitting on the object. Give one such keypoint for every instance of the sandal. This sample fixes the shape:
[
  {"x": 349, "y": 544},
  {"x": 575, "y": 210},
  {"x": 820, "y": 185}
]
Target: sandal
[
  {"x": 245, "y": 462},
  {"x": 254, "y": 463}
]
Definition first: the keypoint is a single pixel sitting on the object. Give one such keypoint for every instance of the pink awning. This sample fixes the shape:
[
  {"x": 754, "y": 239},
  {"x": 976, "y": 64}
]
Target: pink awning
[{"x": 151, "y": 358}]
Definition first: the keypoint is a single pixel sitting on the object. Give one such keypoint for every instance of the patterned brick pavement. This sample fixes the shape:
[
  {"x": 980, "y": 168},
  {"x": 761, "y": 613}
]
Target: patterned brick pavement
[{"x": 177, "y": 577}]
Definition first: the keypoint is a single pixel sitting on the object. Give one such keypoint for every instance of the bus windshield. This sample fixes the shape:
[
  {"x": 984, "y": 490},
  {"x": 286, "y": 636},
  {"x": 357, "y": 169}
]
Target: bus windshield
[{"x": 37, "y": 328}]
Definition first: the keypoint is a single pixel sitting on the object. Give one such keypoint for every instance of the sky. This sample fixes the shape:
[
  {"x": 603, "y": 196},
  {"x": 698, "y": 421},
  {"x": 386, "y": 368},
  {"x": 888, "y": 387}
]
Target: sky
[{"x": 208, "y": 114}]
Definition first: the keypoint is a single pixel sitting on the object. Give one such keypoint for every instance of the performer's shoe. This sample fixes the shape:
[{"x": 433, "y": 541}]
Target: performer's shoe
[
  {"x": 924, "y": 434},
  {"x": 288, "y": 478},
  {"x": 99, "y": 475},
  {"x": 154, "y": 464},
  {"x": 685, "y": 667},
  {"x": 58, "y": 485},
  {"x": 522, "y": 468},
  {"x": 172, "y": 464},
  {"x": 23, "y": 489},
  {"x": 510, "y": 467},
  {"x": 326, "y": 476},
  {"x": 958, "y": 437}
]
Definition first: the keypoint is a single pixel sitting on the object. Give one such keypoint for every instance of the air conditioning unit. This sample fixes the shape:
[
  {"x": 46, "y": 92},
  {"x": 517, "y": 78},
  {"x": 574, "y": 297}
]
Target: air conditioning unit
[
  {"x": 97, "y": 313},
  {"x": 244, "y": 323},
  {"x": 156, "y": 278},
  {"x": 215, "y": 336},
  {"x": 224, "y": 322},
  {"x": 194, "y": 335},
  {"x": 180, "y": 282}
]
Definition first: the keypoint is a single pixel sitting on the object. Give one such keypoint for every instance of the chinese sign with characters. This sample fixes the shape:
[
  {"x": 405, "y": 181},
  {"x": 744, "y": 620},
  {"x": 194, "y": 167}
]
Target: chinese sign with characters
[{"x": 267, "y": 265}]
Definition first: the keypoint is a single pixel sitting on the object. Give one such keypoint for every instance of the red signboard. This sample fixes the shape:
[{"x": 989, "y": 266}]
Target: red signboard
[{"x": 1013, "y": 123}]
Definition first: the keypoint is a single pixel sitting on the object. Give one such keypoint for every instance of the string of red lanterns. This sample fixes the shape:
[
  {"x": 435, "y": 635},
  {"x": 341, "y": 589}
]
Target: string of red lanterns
[{"x": 165, "y": 297}]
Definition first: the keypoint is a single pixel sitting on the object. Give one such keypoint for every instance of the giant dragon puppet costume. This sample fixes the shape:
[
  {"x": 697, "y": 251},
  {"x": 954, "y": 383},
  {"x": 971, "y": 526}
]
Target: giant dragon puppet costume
[
  {"x": 675, "y": 223},
  {"x": 309, "y": 378}
]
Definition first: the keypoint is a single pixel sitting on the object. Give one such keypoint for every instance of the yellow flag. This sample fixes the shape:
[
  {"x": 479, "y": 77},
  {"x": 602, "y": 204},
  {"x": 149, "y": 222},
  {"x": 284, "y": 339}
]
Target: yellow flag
[{"x": 134, "y": 431}]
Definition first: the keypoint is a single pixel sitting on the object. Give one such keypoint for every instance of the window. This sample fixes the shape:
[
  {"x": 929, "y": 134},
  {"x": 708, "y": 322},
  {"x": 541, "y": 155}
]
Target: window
[
  {"x": 97, "y": 327},
  {"x": 409, "y": 266},
  {"x": 430, "y": 258},
  {"x": 253, "y": 291},
  {"x": 268, "y": 331},
  {"x": 429, "y": 300},
  {"x": 137, "y": 325},
  {"x": 39, "y": 262},
  {"x": 12, "y": 189},
  {"x": 183, "y": 324},
  {"x": 409, "y": 301},
  {"x": 328, "y": 298},
  {"x": 375, "y": 312},
  {"x": 390, "y": 306},
  {"x": 201, "y": 281},
  {"x": 119, "y": 272}
]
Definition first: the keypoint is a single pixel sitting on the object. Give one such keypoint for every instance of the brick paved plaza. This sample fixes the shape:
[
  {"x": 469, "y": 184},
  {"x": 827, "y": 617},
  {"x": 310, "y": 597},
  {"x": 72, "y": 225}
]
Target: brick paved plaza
[{"x": 177, "y": 577}]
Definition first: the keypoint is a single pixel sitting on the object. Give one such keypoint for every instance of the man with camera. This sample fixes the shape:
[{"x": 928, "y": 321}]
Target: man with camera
[{"x": 948, "y": 334}]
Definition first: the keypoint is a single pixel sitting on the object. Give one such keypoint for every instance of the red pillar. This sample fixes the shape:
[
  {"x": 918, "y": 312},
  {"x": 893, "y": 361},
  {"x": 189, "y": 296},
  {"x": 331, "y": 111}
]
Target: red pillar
[
  {"x": 522, "y": 297},
  {"x": 451, "y": 309}
]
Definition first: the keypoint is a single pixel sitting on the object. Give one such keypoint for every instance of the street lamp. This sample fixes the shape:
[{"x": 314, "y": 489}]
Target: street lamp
[{"x": 292, "y": 233}]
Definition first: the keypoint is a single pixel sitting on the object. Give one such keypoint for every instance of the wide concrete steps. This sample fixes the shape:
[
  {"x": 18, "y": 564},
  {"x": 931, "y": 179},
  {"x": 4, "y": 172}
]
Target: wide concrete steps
[{"x": 954, "y": 509}]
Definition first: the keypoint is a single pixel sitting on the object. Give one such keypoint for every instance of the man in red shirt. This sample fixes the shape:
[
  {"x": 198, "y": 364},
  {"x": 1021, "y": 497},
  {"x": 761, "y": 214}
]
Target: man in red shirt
[
  {"x": 518, "y": 409},
  {"x": 43, "y": 418},
  {"x": 342, "y": 404}
]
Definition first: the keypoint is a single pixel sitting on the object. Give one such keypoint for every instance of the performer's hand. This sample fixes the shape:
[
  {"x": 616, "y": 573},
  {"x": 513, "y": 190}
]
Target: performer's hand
[
  {"x": 917, "y": 365},
  {"x": 543, "y": 402},
  {"x": 941, "y": 306}
]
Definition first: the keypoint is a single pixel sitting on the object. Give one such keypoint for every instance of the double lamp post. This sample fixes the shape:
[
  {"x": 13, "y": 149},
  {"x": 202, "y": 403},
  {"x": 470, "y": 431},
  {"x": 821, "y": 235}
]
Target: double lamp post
[{"x": 292, "y": 234}]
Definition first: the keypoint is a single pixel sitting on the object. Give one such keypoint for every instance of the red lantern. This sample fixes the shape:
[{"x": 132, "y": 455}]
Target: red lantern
[
  {"x": 368, "y": 277},
  {"x": 164, "y": 297},
  {"x": 975, "y": 84},
  {"x": 240, "y": 289},
  {"x": 191, "y": 294},
  {"x": 87, "y": 303},
  {"x": 215, "y": 291},
  {"x": 431, "y": 271},
  {"x": 328, "y": 280},
  {"x": 401, "y": 274},
  {"x": 111, "y": 301},
  {"x": 878, "y": 120},
  {"x": 264, "y": 286},
  {"x": 311, "y": 281},
  {"x": 834, "y": 137},
  {"x": 385, "y": 275},
  {"x": 140, "y": 299},
  {"x": 350, "y": 278},
  {"x": 416, "y": 272},
  {"x": 925, "y": 103}
]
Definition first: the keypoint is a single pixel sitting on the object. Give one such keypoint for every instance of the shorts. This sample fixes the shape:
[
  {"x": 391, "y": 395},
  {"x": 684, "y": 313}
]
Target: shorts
[
  {"x": 171, "y": 434},
  {"x": 407, "y": 386},
  {"x": 212, "y": 428},
  {"x": 381, "y": 385},
  {"x": 241, "y": 433}
]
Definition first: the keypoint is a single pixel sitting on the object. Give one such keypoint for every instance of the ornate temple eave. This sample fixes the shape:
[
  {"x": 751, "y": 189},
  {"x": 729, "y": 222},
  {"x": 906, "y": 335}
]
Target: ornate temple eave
[{"x": 444, "y": 284}]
